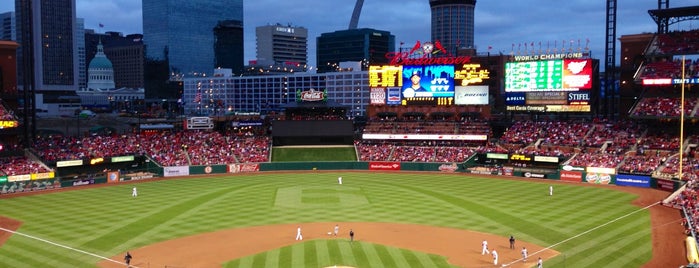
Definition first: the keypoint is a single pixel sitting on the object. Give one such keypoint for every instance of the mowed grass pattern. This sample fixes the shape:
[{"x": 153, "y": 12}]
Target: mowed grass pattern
[
  {"x": 107, "y": 221},
  {"x": 305, "y": 154}
]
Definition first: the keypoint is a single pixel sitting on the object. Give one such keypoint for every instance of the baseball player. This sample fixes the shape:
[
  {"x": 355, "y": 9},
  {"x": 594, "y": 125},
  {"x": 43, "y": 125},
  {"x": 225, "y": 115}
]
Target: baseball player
[
  {"x": 485, "y": 248},
  {"x": 524, "y": 254},
  {"x": 339, "y": 180},
  {"x": 540, "y": 263},
  {"x": 550, "y": 189},
  {"x": 298, "y": 234},
  {"x": 127, "y": 259},
  {"x": 134, "y": 192},
  {"x": 495, "y": 257},
  {"x": 336, "y": 230}
]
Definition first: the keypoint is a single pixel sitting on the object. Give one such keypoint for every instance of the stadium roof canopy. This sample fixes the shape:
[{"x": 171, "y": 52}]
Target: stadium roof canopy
[{"x": 667, "y": 16}]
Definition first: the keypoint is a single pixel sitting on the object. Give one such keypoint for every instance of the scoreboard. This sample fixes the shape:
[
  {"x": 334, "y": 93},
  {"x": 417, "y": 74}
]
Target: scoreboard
[
  {"x": 534, "y": 75},
  {"x": 560, "y": 85},
  {"x": 435, "y": 84},
  {"x": 550, "y": 75}
]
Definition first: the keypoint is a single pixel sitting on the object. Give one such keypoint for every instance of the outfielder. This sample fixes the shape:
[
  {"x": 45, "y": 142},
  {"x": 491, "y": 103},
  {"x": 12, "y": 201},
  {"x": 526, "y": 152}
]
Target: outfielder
[
  {"x": 485, "y": 248},
  {"x": 298, "y": 234},
  {"x": 339, "y": 180},
  {"x": 134, "y": 192}
]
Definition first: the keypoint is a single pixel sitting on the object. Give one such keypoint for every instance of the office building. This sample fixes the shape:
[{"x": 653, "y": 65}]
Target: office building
[
  {"x": 54, "y": 74},
  {"x": 221, "y": 95},
  {"x": 7, "y": 26},
  {"x": 282, "y": 45},
  {"x": 80, "y": 42},
  {"x": 228, "y": 41},
  {"x": 368, "y": 46},
  {"x": 125, "y": 52},
  {"x": 182, "y": 32},
  {"x": 453, "y": 24}
]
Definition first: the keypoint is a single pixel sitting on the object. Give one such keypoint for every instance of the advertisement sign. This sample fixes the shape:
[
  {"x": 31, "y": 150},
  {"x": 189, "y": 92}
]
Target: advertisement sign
[
  {"x": 469, "y": 137},
  {"x": 496, "y": 156},
  {"x": 448, "y": 167},
  {"x": 507, "y": 171},
  {"x": 377, "y": 96},
  {"x": 598, "y": 178},
  {"x": 175, "y": 171},
  {"x": 240, "y": 168},
  {"x": 574, "y": 176},
  {"x": 112, "y": 177},
  {"x": 393, "y": 96},
  {"x": 24, "y": 177},
  {"x": 471, "y": 95},
  {"x": 41, "y": 176},
  {"x": 666, "y": 185},
  {"x": 384, "y": 166},
  {"x": 127, "y": 158},
  {"x": 633, "y": 180},
  {"x": 3, "y": 179},
  {"x": 69, "y": 163},
  {"x": 547, "y": 159},
  {"x": 600, "y": 170}
]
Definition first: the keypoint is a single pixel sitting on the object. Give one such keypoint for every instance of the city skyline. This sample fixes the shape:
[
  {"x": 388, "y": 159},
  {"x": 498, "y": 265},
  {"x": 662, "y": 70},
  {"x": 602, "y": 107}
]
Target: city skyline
[{"x": 498, "y": 28}]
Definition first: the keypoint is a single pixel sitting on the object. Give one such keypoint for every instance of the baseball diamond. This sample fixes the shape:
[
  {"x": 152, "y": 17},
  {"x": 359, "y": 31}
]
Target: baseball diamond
[{"x": 401, "y": 219}]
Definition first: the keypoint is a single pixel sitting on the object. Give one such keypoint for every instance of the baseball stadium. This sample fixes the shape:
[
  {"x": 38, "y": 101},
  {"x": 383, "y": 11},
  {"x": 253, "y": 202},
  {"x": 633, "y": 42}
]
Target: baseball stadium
[{"x": 535, "y": 152}]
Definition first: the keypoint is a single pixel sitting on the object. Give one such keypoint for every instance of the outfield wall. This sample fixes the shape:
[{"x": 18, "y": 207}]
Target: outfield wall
[{"x": 66, "y": 177}]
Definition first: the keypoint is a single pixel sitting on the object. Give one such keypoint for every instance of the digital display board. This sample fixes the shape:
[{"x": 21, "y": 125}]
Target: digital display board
[
  {"x": 385, "y": 76},
  {"x": 432, "y": 84},
  {"x": 429, "y": 84},
  {"x": 560, "y": 85},
  {"x": 549, "y": 75}
]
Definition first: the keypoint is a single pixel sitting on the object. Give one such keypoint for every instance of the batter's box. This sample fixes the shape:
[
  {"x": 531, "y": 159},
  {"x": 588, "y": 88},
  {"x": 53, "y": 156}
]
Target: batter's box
[{"x": 320, "y": 196}]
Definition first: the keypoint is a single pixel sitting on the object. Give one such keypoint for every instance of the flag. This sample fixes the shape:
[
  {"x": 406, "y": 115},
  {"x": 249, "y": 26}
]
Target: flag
[{"x": 101, "y": 25}]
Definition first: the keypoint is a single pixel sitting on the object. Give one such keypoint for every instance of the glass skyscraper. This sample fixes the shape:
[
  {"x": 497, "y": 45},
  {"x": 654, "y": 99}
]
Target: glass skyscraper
[
  {"x": 184, "y": 31},
  {"x": 452, "y": 23}
]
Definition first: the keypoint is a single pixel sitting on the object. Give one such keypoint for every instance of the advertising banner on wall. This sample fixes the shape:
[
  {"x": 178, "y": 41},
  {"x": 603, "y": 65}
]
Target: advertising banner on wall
[
  {"x": 175, "y": 171},
  {"x": 633, "y": 180},
  {"x": 112, "y": 177},
  {"x": 384, "y": 165},
  {"x": 598, "y": 178},
  {"x": 239, "y": 168},
  {"x": 666, "y": 185},
  {"x": 574, "y": 176}
]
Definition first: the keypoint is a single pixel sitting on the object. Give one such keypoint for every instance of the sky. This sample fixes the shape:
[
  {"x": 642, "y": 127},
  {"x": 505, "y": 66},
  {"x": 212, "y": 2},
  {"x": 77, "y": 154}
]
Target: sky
[{"x": 502, "y": 25}]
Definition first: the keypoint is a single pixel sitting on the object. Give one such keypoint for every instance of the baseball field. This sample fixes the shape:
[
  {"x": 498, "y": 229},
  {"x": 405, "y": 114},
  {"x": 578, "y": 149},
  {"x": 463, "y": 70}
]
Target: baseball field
[{"x": 400, "y": 220}]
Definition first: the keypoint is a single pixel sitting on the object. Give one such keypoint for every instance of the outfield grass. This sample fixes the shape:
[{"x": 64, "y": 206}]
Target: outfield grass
[
  {"x": 310, "y": 154},
  {"x": 107, "y": 221}
]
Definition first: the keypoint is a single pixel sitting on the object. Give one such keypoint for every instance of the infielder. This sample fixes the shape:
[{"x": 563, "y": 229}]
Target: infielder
[
  {"x": 485, "y": 248},
  {"x": 337, "y": 229},
  {"x": 495, "y": 257},
  {"x": 298, "y": 234},
  {"x": 540, "y": 263},
  {"x": 524, "y": 254}
]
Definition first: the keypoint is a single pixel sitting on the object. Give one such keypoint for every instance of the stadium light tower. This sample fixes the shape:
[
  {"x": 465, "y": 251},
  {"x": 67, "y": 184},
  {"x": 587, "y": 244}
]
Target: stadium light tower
[{"x": 355, "y": 14}]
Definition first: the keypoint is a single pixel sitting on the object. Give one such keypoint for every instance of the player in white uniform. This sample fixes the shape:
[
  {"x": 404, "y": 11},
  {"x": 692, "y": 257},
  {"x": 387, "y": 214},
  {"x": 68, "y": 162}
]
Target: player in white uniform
[
  {"x": 134, "y": 192},
  {"x": 298, "y": 233},
  {"x": 337, "y": 229},
  {"x": 550, "y": 189},
  {"x": 339, "y": 180},
  {"x": 495, "y": 257},
  {"x": 524, "y": 254},
  {"x": 485, "y": 248},
  {"x": 540, "y": 263}
]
